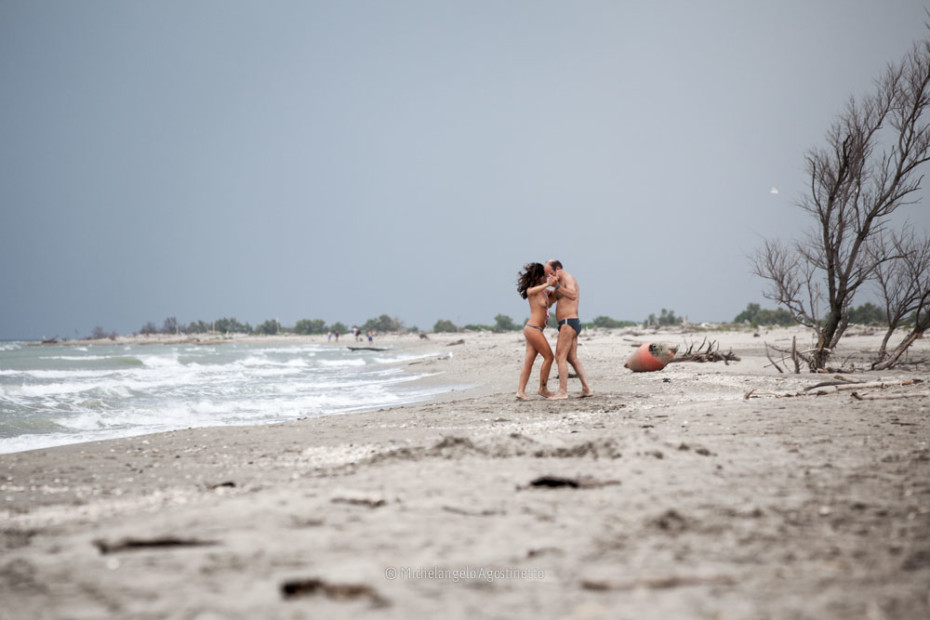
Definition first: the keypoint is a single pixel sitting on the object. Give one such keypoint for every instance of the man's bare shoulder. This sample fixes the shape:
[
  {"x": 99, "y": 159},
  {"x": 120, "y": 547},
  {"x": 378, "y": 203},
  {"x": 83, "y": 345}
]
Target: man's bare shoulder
[{"x": 568, "y": 278}]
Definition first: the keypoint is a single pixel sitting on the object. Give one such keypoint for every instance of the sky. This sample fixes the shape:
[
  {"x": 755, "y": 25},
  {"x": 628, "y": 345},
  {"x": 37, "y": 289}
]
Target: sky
[{"x": 345, "y": 160}]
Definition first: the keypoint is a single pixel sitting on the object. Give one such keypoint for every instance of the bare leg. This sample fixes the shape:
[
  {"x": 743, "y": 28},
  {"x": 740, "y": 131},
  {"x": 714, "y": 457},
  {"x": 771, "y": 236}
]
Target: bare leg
[
  {"x": 544, "y": 372},
  {"x": 579, "y": 369},
  {"x": 536, "y": 344},
  {"x": 537, "y": 340},
  {"x": 562, "y": 349},
  {"x": 528, "y": 361}
]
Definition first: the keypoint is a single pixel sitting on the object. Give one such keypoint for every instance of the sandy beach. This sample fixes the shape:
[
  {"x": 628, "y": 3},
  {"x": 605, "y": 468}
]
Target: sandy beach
[{"x": 705, "y": 490}]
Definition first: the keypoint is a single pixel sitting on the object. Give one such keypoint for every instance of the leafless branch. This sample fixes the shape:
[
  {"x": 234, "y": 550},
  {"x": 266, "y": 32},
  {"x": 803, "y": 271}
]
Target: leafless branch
[{"x": 868, "y": 169}]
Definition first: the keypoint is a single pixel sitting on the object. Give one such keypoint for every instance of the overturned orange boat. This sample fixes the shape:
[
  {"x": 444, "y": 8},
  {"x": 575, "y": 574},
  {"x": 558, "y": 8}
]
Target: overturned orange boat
[{"x": 650, "y": 356}]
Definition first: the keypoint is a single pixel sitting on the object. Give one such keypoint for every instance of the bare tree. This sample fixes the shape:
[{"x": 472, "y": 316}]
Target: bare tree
[
  {"x": 867, "y": 171},
  {"x": 902, "y": 274}
]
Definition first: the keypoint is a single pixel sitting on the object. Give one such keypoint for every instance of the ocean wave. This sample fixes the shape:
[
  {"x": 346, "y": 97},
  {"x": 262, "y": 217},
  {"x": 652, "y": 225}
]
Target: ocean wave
[
  {"x": 110, "y": 361},
  {"x": 53, "y": 397},
  {"x": 46, "y": 390},
  {"x": 56, "y": 375}
]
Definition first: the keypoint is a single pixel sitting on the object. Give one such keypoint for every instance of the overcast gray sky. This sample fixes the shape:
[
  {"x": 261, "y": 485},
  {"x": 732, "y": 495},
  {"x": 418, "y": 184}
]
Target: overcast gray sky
[{"x": 343, "y": 160}]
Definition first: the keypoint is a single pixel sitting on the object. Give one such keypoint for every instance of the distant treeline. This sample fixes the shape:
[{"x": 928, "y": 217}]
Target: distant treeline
[
  {"x": 754, "y": 315},
  {"x": 866, "y": 314},
  {"x": 381, "y": 324}
]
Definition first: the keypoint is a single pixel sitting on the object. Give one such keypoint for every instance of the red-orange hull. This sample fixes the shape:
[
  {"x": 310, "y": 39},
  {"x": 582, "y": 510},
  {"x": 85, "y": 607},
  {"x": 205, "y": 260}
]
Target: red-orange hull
[{"x": 650, "y": 357}]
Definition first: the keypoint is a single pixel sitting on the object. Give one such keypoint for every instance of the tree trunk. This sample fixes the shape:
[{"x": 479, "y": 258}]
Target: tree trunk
[
  {"x": 883, "y": 349},
  {"x": 827, "y": 337},
  {"x": 899, "y": 350}
]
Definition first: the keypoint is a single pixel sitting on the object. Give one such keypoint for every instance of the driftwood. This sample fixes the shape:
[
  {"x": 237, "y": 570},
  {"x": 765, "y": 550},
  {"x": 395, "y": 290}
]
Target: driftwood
[
  {"x": 833, "y": 387},
  {"x": 706, "y": 352},
  {"x": 336, "y": 591},
  {"x": 358, "y": 499},
  {"x": 855, "y": 385},
  {"x": 658, "y": 583},
  {"x": 582, "y": 482},
  {"x": 794, "y": 355},
  {"x": 774, "y": 363},
  {"x": 472, "y": 513},
  {"x": 133, "y": 544},
  {"x": 838, "y": 380},
  {"x": 859, "y": 396}
]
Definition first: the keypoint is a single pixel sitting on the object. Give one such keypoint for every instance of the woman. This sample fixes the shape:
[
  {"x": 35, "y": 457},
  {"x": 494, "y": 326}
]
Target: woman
[{"x": 532, "y": 283}]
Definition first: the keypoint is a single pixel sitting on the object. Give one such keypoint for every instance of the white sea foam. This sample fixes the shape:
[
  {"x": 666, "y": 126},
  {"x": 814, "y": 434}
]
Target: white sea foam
[
  {"x": 160, "y": 361},
  {"x": 343, "y": 363},
  {"x": 56, "y": 375},
  {"x": 59, "y": 395}
]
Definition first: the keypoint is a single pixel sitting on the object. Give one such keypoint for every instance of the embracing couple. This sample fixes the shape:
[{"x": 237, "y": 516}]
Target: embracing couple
[{"x": 544, "y": 285}]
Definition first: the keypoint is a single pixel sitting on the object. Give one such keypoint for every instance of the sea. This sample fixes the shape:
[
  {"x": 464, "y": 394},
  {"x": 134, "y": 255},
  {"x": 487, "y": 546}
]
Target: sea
[{"x": 54, "y": 395}]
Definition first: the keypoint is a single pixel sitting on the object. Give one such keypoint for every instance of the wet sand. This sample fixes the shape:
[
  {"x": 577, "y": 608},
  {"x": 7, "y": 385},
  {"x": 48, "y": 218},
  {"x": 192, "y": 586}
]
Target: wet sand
[{"x": 667, "y": 495}]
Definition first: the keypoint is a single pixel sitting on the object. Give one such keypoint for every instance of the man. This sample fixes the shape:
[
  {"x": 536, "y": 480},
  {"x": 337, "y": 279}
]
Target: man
[{"x": 566, "y": 312}]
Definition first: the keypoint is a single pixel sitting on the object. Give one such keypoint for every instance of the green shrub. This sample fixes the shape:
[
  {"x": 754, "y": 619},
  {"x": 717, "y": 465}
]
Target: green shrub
[{"x": 443, "y": 325}]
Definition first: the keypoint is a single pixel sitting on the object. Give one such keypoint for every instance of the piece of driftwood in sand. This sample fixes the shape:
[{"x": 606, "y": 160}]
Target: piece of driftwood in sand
[
  {"x": 314, "y": 586},
  {"x": 833, "y": 387},
  {"x": 351, "y": 348},
  {"x": 797, "y": 356},
  {"x": 708, "y": 351},
  {"x": 794, "y": 355},
  {"x": 658, "y": 583},
  {"x": 859, "y": 396},
  {"x": 134, "y": 544},
  {"x": 581, "y": 482}
]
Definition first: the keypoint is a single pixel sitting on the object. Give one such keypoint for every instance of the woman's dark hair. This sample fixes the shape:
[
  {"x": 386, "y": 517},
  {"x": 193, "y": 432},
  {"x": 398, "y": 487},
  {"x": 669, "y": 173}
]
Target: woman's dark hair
[{"x": 530, "y": 276}]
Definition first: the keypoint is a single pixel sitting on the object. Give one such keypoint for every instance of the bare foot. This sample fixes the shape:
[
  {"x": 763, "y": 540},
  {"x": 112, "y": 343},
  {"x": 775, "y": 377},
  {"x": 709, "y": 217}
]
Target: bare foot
[
  {"x": 559, "y": 396},
  {"x": 586, "y": 394},
  {"x": 522, "y": 396},
  {"x": 545, "y": 393}
]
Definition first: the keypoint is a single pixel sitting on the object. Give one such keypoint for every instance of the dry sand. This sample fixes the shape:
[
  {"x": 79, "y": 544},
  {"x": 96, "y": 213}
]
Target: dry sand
[{"x": 667, "y": 495}]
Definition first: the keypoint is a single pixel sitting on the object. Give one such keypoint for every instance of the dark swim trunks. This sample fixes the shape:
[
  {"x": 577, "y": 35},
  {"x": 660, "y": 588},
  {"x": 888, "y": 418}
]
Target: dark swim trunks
[{"x": 573, "y": 323}]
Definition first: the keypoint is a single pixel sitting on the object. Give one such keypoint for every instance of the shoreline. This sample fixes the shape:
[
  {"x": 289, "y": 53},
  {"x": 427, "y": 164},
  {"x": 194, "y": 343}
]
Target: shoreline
[
  {"x": 400, "y": 346},
  {"x": 667, "y": 494}
]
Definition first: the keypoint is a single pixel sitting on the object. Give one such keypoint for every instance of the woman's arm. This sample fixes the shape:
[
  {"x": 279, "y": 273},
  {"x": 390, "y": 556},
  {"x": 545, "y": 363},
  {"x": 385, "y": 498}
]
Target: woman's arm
[
  {"x": 550, "y": 281},
  {"x": 536, "y": 289}
]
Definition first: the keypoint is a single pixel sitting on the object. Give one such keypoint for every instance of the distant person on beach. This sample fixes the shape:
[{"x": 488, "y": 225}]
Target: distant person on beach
[
  {"x": 371, "y": 336},
  {"x": 566, "y": 296},
  {"x": 533, "y": 284},
  {"x": 357, "y": 332}
]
